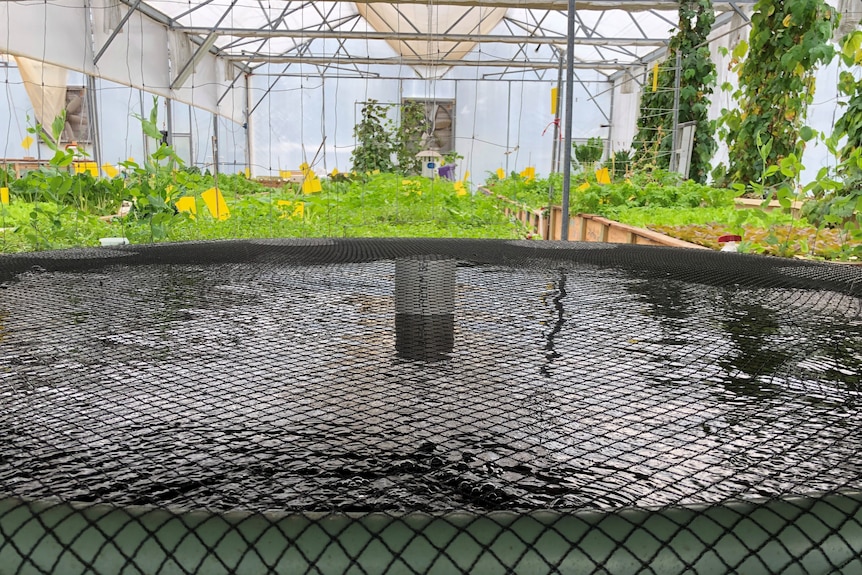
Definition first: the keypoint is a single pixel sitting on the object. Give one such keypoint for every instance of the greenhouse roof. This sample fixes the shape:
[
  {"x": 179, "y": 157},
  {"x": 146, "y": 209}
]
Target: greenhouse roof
[
  {"x": 202, "y": 52},
  {"x": 426, "y": 37}
]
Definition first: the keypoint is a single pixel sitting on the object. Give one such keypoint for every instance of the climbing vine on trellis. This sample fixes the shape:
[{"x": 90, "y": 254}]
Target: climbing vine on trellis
[
  {"x": 788, "y": 40},
  {"x": 373, "y": 142},
  {"x": 408, "y": 136},
  {"x": 849, "y": 125},
  {"x": 655, "y": 125}
]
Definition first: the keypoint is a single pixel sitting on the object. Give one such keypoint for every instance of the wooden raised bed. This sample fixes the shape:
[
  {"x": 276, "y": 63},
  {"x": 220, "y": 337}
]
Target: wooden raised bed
[{"x": 547, "y": 224}]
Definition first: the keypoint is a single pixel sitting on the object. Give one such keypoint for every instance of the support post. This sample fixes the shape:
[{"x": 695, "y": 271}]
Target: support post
[
  {"x": 674, "y": 161},
  {"x": 567, "y": 140}
]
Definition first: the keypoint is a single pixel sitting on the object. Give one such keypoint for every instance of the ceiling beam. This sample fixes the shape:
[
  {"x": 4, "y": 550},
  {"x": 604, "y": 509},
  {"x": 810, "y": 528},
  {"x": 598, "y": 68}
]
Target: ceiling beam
[
  {"x": 414, "y": 37},
  {"x": 326, "y": 60},
  {"x": 629, "y": 5}
]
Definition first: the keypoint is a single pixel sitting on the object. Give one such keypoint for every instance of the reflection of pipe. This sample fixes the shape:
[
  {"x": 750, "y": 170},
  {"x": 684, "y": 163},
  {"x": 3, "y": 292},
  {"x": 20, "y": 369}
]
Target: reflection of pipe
[
  {"x": 552, "y": 353},
  {"x": 424, "y": 307},
  {"x": 814, "y": 534}
]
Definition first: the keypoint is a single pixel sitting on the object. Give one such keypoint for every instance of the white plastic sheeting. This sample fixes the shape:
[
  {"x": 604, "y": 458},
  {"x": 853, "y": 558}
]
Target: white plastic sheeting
[
  {"x": 431, "y": 20},
  {"x": 59, "y": 33},
  {"x": 498, "y": 124}
]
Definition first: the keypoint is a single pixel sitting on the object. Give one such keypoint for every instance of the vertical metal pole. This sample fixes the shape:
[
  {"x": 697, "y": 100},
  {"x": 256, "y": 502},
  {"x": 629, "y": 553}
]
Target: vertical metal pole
[
  {"x": 215, "y": 150},
  {"x": 508, "y": 122},
  {"x": 249, "y": 136},
  {"x": 169, "y": 120},
  {"x": 567, "y": 139},
  {"x": 674, "y": 161},
  {"x": 95, "y": 130},
  {"x": 555, "y": 159}
]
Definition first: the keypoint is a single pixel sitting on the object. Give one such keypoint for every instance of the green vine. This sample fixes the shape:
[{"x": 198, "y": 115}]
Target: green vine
[
  {"x": 788, "y": 40},
  {"x": 655, "y": 125},
  {"x": 849, "y": 125},
  {"x": 408, "y": 136},
  {"x": 374, "y": 143}
]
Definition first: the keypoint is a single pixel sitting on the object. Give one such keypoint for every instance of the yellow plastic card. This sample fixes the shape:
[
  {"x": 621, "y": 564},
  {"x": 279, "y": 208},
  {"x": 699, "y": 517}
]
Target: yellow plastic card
[
  {"x": 247, "y": 173},
  {"x": 27, "y": 142},
  {"x": 501, "y": 174},
  {"x": 466, "y": 176},
  {"x": 291, "y": 209},
  {"x": 603, "y": 176},
  {"x": 554, "y": 101},
  {"x": 460, "y": 190},
  {"x": 215, "y": 204},
  {"x": 583, "y": 187},
  {"x": 529, "y": 173},
  {"x": 311, "y": 185},
  {"x": 187, "y": 204},
  {"x": 4, "y": 196},
  {"x": 110, "y": 170},
  {"x": 655, "y": 77},
  {"x": 87, "y": 167}
]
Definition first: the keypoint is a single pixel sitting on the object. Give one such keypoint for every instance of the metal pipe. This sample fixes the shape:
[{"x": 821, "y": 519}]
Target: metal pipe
[
  {"x": 674, "y": 161},
  {"x": 567, "y": 139}
]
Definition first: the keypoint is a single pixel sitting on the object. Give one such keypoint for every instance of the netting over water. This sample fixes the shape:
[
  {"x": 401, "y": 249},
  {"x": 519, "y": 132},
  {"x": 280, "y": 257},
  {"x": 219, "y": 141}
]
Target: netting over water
[{"x": 339, "y": 379}]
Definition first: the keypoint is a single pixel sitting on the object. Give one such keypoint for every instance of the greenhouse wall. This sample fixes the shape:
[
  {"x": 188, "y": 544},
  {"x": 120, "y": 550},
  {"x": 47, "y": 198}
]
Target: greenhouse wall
[{"x": 120, "y": 133}]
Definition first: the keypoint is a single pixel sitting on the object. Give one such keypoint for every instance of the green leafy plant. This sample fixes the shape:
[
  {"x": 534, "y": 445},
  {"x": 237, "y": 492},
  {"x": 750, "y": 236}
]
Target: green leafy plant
[
  {"x": 697, "y": 81},
  {"x": 407, "y": 137},
  {"x": 788, "y": 40},
  {"x": 590, "y": 152},
  {"x": 374, "y": 146}
]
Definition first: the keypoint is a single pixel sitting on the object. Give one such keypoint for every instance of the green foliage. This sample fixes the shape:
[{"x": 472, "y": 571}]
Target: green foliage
[
  {"x": 374, "y": 145},
  {"x": 590, "y": 152},
  {"x": 655, "y": 124},
  {"x": 619, "y": 164},
  {"x": 788, "y": 40},
  {"x": 658, "y": 188},
  {"x": 407, "y": 137}
]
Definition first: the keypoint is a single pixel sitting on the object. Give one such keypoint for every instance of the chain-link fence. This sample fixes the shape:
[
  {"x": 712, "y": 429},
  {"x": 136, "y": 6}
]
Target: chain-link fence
[{"x": 428, "y": 406}]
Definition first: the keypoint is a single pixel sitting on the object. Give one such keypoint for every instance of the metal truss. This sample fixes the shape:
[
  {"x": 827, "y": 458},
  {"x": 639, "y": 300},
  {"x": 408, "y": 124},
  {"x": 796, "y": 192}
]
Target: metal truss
[{"x": 334, "y": 39}]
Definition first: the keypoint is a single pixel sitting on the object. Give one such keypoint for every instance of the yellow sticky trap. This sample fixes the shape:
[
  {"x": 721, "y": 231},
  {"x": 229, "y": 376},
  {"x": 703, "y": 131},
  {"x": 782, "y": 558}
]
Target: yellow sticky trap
[
  {"x": 215, "y": 204},
  {"x": 603, "y": 176},
  {"x": 334, "y": 172},
  {"x": 110, "y": 170},
  {"x": 655, "y": 77},
  {"x": 4, "y": 196},
  {"x": 529, "y": 173},
  {"x": 27, "y": 142},
  {"x": 554, "y": 101},
  {"x": 247, "y": 173},
  {"x": 311, "y": 184},
  {"x": 584, "y": 187},
  {"x": 187, "y": 204},
  {"x": 297, "y": 211},
  {"x": 501, "y": 175},
  {"x": 466, "y": 176},
  {"x": 87, "y": 167},
  {"x": 460, "y": 190}
]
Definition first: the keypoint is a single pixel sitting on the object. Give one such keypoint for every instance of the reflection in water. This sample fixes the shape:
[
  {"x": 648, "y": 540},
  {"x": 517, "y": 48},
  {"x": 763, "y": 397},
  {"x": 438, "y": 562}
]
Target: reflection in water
[
  {"x": 424, "y": 308},
  {"x": 551, "y": 353},
  {"x": 752, "y": 329},
  {"x": 274, "y": 388},
  {"x": 667, "y": 299}
]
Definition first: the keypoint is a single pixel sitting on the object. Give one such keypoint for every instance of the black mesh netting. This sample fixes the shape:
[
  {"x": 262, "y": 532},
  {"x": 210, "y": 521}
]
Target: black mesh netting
[{"x": 412, "y": 406}]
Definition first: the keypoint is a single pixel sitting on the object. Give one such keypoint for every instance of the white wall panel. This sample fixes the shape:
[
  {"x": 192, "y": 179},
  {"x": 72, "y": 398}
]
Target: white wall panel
[{"x": 54, "y": 32}]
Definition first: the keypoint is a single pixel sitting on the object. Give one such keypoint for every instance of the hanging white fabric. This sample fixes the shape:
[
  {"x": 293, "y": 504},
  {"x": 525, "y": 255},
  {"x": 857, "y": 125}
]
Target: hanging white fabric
[{"x": 46, "y": 86}]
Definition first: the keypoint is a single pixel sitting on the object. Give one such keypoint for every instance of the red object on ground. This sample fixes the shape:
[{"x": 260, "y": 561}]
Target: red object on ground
[{"x": 729, "y": 238}]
